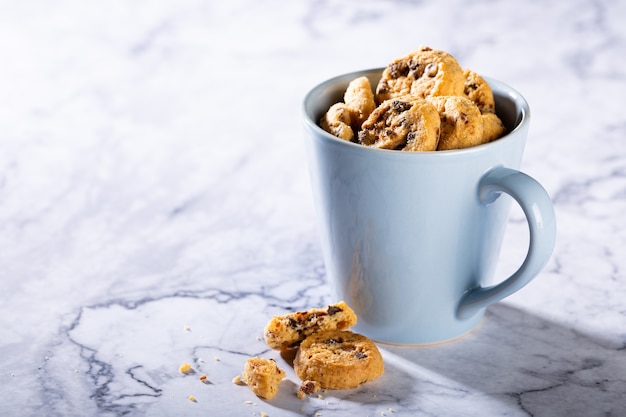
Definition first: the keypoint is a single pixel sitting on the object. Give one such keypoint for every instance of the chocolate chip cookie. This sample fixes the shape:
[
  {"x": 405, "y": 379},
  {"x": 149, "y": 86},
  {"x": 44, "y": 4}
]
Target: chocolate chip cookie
[
  {"x": 359, "y": 100},
  {"x": 290, "y": 329},
  {"x": 478, "y": 90},
  {"x": 424, "y": 72},
  {"x": 337, "y": 122},
  {"x": 338, "y": 359},
  {"x": 408, "y": 123},
  {"x": 461, "y": 122}
]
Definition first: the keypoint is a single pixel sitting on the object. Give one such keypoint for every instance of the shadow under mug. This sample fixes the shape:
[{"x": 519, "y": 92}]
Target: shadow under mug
[{"x": 411, "y": 240}]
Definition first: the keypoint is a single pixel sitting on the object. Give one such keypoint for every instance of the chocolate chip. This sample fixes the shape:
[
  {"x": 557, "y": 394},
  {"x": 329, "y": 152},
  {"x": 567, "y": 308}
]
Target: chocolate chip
[
  {"x": 398, "y": 69},
  {"x": 400, "y": 106},
  {"x": 411, "y": 136},
  {"x": 360, "y": 355},
  {"x": 292, "y": 323},
  {"x": 332, "y": 310}
]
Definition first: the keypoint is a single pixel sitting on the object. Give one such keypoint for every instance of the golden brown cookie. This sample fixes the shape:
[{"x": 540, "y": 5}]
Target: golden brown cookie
[
  {"x": 493, "y": 128},
  {"x": 461, "y": 122},
  {"x": 263, "y": 376},
  {"x": 359, "y": 99},
  {"x": 338, "y": 359},
  {"x": 477, "y": 90},
  {"x": 408, "y": 123},
  {"x": 424, "y": 72},
  {"x": 290, "y": 329},
  {"x": 336, "y": 121}
]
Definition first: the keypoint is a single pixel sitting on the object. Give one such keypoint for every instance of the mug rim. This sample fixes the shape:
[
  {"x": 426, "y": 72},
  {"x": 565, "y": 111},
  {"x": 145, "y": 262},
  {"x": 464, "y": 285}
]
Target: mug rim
[{"x": 504, "y": 90}]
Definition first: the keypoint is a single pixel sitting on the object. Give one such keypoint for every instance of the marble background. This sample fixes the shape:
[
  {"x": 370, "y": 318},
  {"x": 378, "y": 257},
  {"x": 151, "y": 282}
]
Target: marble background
[{"x": 155, "y": 205}]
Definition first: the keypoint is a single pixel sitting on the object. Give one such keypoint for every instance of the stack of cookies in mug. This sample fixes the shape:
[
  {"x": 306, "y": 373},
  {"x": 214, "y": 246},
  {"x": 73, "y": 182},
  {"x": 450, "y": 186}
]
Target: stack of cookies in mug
[
  {"x": 327, "y": 354},
  {"x": 424, "y": 101}
]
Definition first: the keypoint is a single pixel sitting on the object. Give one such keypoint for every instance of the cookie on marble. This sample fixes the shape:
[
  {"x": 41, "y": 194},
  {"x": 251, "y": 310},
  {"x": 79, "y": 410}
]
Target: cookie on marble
[
  {"x": 479, "y": 91},
  {"x": 493, "y": 128},
  {"x": 359, "y": 100},
  {"x": 424, "y": 72},
  {"x": 289, "y": 330},
  {"x": 408, "y": 123},
  {"x": 263, "y": 376},
  {"x": 337, "y": 122},
  {"x": 461, "y": 122},
  {"x": 338, "y": 359}
]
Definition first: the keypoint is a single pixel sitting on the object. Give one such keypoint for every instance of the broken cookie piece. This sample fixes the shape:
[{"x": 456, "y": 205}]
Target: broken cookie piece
[
  {"x": 263, "y": 376},
  {"x": 290, "y": 329}
]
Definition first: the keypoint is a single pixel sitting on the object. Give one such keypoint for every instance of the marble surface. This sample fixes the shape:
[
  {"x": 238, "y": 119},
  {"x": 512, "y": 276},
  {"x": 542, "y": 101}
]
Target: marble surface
[{"x": 155, "y": 205}]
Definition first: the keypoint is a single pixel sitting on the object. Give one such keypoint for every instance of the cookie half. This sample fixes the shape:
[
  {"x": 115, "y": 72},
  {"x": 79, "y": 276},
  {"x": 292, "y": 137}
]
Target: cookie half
[{"x": 290, "y": 329}]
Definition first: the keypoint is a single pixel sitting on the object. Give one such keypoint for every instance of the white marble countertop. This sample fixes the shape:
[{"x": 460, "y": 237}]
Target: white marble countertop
[{"x": 152, "y": 177}]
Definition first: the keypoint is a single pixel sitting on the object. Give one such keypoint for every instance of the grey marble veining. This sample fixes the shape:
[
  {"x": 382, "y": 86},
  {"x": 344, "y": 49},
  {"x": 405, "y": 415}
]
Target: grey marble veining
[{"x": 155, "y": 205}]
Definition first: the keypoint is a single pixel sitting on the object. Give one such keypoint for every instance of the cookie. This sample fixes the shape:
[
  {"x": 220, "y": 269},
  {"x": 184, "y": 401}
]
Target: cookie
[
  {"x": 337, "y": 122},
  {"x": 493, "y": 128},
  {"x": 263, "y": 376},
  {"x": 424, "y": 72},
  {"x": 461, "y": 122},
  {"x": 359, "y": 100},
  {"x": 290, "y": 329},
  {"x": 477, "y": 90},
  {"x": 408, "y": 123},
  {"x": 338, "y": 359}
]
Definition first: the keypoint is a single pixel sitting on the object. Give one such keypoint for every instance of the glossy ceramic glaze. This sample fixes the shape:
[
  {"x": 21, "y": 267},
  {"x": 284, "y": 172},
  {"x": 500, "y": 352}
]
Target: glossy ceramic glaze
[{"x": 411, "y": 240}]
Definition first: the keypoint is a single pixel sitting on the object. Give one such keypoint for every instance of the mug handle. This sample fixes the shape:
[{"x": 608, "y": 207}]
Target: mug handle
[{"x": 537, "y": 207}]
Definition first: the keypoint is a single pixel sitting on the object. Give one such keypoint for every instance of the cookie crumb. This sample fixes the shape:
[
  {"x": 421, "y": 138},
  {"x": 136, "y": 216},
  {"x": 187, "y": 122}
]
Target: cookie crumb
[
  {"x": 186, "y": 328},
  {"x": 192, "y": 399},
  {"x": 308, "y": 387},
  {"x": 248, "y": 402},
  {"x": 185, "y": 368},
  {"x": 237, "y": 380},
  {"x": 216, "y": 359},
  {"x": 203, "y": 378}
]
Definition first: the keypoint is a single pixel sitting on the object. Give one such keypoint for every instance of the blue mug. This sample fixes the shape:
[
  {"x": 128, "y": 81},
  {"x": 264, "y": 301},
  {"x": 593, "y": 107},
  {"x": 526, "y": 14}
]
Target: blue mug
[{"x": 411, "y": 239}]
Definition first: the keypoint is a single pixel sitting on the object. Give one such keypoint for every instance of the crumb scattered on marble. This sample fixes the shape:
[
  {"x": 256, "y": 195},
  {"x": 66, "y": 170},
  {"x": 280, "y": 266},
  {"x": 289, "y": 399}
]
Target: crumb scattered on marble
[
  {"x": 215, "y": 358},
  {"x": 203, "y": 378},
  {"x": 263, "y": 414},
  {"x": 237, "y": 380},
  {"x": 185, "y": 368},
  {"x": 192, "y": 398},
  {"x": 186, "y": 328},
  {"x": 200, "y": 360}
]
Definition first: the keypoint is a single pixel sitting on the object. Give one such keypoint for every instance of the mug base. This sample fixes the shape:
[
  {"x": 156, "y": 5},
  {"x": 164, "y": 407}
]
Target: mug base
[{"x": 387, "y": 341}]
